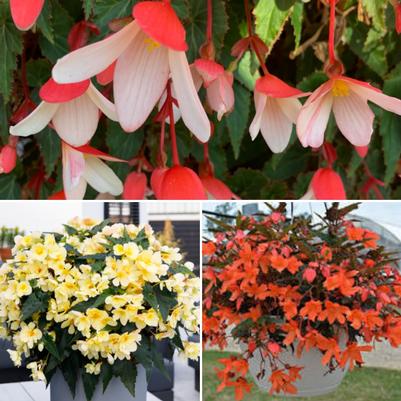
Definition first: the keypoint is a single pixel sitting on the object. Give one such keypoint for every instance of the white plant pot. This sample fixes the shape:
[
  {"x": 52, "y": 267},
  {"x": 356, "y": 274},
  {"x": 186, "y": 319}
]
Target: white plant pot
[
  {"x": 116, "y": 391},
  {"x": 316, "y": 379}
]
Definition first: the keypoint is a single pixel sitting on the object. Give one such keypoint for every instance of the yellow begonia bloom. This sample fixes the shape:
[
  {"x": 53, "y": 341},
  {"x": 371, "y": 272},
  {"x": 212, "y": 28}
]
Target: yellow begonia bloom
[
  {"x": 191, "y": 350},
  {"x": 93, "y": 368},
  {"x": 36, "y": 371},
  {"x": 23, "y": 289},
  {"x": 38, "y": 252},
  {"x": 29, "y": 334},
  {"x": 99, "y": 319}
]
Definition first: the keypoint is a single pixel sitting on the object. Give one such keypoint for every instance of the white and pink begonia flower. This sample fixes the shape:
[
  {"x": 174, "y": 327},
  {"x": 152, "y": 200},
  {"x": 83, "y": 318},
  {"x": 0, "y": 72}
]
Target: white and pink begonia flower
[
  {"x": 25, "y": 12},
  {"x": 148, "y": 51},
  {"x": 277, "y": 109},
  {"x": 83, "y": 166},
  {"x": 218, "y": 83},
  {"x": 348, "y": 98},
  {"x": 73, "y": 110}
]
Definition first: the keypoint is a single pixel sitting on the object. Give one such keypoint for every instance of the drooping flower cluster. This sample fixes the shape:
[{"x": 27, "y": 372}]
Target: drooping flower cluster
[
  {"x": 275, "y": 284},
  {"x": 94, "y": 297}
]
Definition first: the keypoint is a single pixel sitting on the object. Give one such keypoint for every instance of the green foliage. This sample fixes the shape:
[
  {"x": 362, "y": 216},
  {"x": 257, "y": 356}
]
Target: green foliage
[{"x": 295, "y": 32}]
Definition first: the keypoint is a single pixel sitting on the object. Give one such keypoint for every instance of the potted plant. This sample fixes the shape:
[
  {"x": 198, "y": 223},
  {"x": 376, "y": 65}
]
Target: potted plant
[
  {"x": 7, "y": 241},
  {"x": 85, "y": 307},
  {"x": 302, "y": 300}
]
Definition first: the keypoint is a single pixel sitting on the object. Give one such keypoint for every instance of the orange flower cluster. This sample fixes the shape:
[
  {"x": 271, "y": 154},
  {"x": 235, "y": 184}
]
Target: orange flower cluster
[{"x": 274, "y": 284}]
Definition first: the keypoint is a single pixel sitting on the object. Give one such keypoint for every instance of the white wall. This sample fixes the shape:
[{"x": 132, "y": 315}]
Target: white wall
[{"x": 46, "y": 215}]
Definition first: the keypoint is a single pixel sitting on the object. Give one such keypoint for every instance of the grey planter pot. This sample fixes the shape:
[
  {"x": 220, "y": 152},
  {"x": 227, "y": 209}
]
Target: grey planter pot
[{"x": 116, "y": 391}]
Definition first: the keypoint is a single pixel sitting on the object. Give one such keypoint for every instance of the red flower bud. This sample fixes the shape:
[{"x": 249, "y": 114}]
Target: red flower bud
[
  {"x": 79, "y": 34},
  {"x": 8, "y": 159},
  {"x": 135, "y": 186},
  {"x": 273, "y": 347},
  {"x": 327, "y": 184},
  {"x": 181, "y": 183}
]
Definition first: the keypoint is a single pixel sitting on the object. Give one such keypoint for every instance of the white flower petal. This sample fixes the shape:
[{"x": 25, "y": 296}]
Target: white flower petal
[
  {"x": 260, "y": 104},
  {"x": 76, "y": 121},
  {"x": 354, "y": 118},
  {"x": 108, "y": 108},
  {"x": 275, "y": 126},
  {"x": 291, "y": 107},
  {"x": 192, "y": 111},
  {"x": 101, "y": 177},
  {"x": 91, "y": 60},
  {"x": 139, "y": 80},
  {"x": 36, "y": 121}
]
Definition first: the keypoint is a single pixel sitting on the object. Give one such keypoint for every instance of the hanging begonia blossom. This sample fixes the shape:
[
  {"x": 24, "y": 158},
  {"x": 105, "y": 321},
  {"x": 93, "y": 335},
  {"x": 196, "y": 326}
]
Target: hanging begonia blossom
[
  {"x": 326, "y": 184},
  {"x": 348, "y": 98},
  {"x": 178, "y": 183},
  {"x": 25, "y": 12},
  {"x": 73, "y": 110},
  {"x": 135, "y": 186},
  {"x": 218, "y": 84},
  {"x": 8, "y": 159},
  {"x": 148, "y": 50},
  {"x": 277, "y": 109},
  {"x": 83, "y": 166}
]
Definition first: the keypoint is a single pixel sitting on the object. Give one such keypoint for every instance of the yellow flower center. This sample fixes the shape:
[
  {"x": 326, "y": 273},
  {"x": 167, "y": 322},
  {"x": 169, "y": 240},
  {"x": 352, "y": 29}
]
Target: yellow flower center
[
  {"x": 151, "y": 44},
  {"x": 340, "y": 88}
]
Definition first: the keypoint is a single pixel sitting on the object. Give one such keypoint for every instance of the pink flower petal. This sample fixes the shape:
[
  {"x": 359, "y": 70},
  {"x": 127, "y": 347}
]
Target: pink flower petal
[
  {"x": 275, "y": 126},
  {"x": 159, "y": 20},
  {"x": 209, "y": 70},
  {"x": 52, "y": 92},
  {"x": 272, "y": 86},
  {"x": 220, "y": 96},
  {"x": 354, "y": 118},
  {"x": 192, "y": 111},
  {"x": 312, "y": 121},
  {"x": 91, "y": 60},
  {"x": 25, "y": 12},
  {"x": 139, "y": 80},
  {"x": 101, "y": 177},
  {"x": 260, "y": 104},
  {"x": 36, "y": 121},
  {"x": 76, "y": 121},
  {"x": 73, "y": 168}
]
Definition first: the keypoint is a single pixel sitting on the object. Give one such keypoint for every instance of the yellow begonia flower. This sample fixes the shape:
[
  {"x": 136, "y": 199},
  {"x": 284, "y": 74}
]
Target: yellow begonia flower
[
  {"x": 23, "y": 289},
  {"x": 99, "y": 319},
  {"x": 38, "y": 252},
  {"x": 191, "y": 350},
  {"x": 36, "y": 371},
  {"x": 29, "y": 334},
  {"x": 93, "y": 368}
]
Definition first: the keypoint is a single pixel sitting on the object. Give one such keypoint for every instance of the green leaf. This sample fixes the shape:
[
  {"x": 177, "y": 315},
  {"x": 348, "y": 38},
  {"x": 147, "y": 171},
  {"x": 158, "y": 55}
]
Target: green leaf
[
  {"x": 70, "y": 230},
  {"x": 70, "y": 369},
  {"x": 196, "y": 22},
  {"x": 143, "y": 355},
  {"x": 88, "y": 7},
  {"x": 284, "y": 4},
  {"x": 62, "y": 23},
  {"x": 36, "y": 302},
  {"x": 247, "y": 183},
  {"x": 90, "y": 382},
  {"x": 160, "y": 300},
  {"x": 50, "y": 148},
  {"x": 127, "y": 372},
  {"x": 296, "y": 22},
  {"x": 181, "y": 269},
  {"x": 106, "y": 10},
  {"x": 45, "y": 22},
  {"x": 390, "y": 131},
  {"x": 51, "y": 346},
  {"x": 247, "y": 72},
  {"x": 38, "y": 72},
  {"x": 10, "y": 48},
  {"x": 94, "y": 302},
  {"x": 270, "y": 21},
  {"x": 123, "y": 145},
  {"x": 99, "y": 227},
  {"x": 107, "y": 374},
  {"x": 376, "y": 9},
  {"x": 237, "y": 121},
  {"x": 9, "y": 188}
]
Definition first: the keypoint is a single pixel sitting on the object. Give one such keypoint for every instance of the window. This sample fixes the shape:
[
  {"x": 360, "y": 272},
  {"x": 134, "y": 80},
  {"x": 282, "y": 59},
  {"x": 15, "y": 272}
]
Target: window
[{"x": 122, "y": 212}]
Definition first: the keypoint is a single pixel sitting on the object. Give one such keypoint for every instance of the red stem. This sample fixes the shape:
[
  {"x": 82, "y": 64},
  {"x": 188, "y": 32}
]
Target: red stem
[
  {"x": 173, "y": 136},
  {"x": 162, "y": 140},
  {"x": 209, "y": 28},
  {"x": 250, "y": 34},
  {"x": 332, "y": 31}
]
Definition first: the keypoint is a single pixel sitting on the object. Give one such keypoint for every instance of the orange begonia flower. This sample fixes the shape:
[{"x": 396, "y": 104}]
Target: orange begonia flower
[
  {"x": 311, "y": 310},
  {"x": 333, "y": 312}
]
